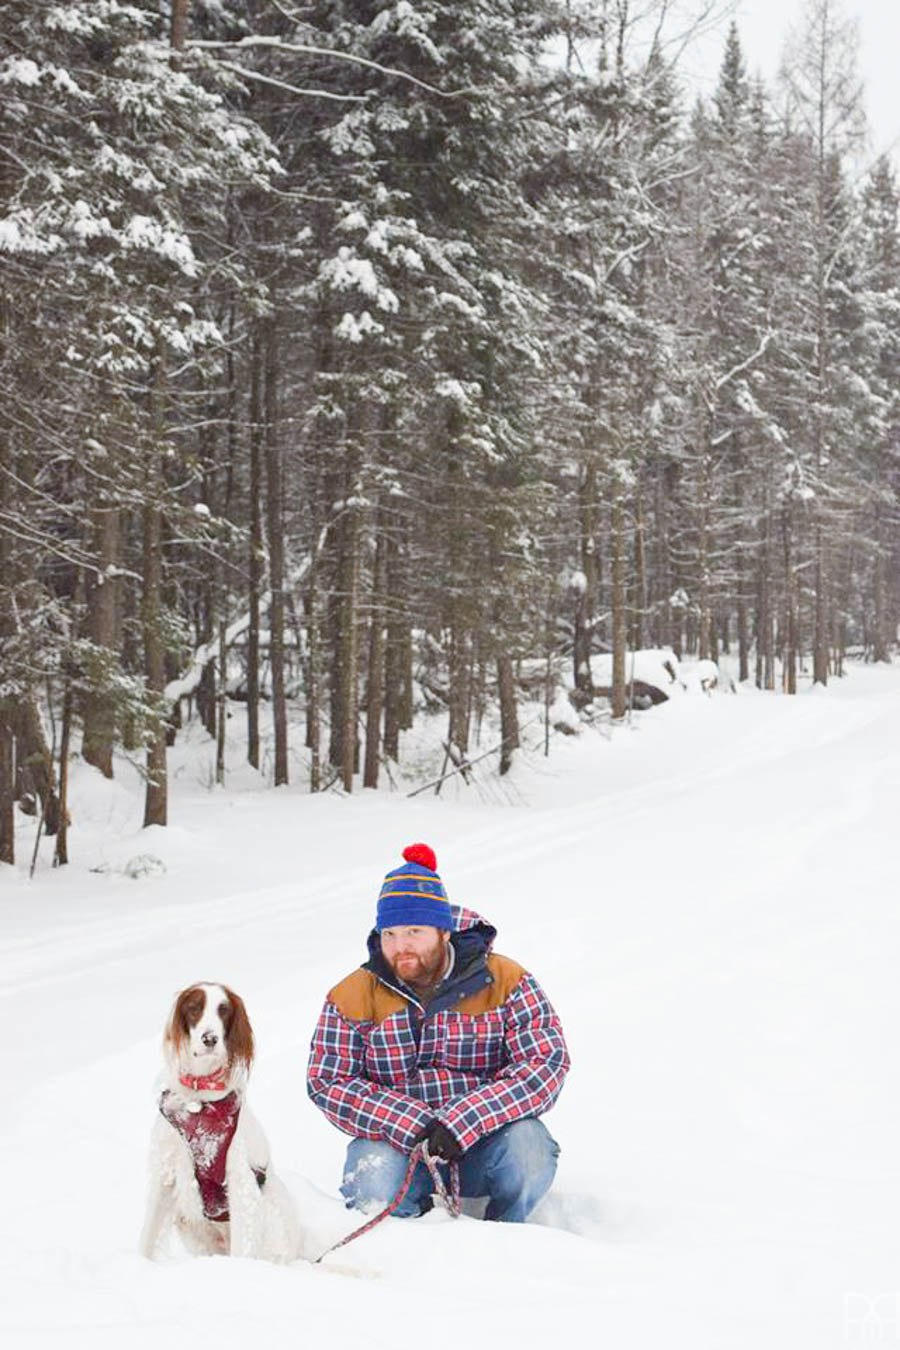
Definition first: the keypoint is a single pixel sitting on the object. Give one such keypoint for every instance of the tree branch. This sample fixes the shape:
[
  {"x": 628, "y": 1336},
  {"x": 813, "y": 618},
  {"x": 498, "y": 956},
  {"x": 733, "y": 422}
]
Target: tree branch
[
  {"x": 299, "y": 48},
  {"x": 742, "y": 365},
  {"x": 290, "y": 88}
]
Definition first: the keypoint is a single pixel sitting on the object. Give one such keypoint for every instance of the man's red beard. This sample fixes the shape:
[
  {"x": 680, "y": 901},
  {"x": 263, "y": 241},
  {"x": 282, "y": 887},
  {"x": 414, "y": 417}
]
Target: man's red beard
[{"x": 421, "y": 970}]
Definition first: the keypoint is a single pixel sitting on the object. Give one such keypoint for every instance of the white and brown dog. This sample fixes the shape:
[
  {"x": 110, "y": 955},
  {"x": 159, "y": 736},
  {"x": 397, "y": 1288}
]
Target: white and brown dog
[{"x": 210, "y": 1175}]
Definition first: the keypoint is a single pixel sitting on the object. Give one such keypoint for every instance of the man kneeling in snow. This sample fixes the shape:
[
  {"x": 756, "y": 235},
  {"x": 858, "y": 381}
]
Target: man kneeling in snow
[{"x": 436, "y": 1038}]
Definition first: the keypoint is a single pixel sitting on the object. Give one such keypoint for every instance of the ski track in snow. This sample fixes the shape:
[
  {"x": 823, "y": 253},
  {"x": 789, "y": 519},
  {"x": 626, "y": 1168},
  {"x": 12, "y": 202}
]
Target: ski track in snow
[{"x": 708, "y": 898}]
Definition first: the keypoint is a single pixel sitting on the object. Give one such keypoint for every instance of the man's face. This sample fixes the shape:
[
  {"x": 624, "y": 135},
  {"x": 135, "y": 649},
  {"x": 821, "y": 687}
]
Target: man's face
[{"x": 415, "y": 953}]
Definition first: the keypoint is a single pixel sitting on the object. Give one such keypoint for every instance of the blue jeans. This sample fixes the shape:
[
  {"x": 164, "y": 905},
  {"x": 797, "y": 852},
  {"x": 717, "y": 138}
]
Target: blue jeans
[{"x": 513, "y": 1167}]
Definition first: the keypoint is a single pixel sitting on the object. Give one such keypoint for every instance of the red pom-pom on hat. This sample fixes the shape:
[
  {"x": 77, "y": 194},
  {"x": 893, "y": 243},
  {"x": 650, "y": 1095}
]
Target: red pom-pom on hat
[{"x": 422, "y": 854}]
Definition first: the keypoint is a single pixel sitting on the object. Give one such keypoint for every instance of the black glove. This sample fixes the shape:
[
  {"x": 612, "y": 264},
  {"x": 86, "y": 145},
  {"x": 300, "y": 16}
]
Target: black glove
[{"x": 442, "y": 1145}]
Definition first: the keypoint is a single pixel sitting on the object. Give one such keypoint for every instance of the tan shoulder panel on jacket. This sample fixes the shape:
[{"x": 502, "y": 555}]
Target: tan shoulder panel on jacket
[
  {"x": 363, "y": 998},
  {"x": 506, "y": 973}
]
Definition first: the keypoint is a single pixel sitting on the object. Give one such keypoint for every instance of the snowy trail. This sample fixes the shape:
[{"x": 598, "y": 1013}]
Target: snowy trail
[{"x": 708, "y": 899}]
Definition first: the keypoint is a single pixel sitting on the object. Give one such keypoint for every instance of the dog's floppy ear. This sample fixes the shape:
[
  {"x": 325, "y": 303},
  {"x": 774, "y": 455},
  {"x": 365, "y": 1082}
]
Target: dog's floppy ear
[
  {"x": 178, "y": 1025},
  {"x": 239, "y": 1036}
]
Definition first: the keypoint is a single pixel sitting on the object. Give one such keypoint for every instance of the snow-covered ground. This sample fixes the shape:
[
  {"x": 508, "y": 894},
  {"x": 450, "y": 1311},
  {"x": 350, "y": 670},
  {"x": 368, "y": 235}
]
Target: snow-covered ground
[{"x": 710, "y": 899}]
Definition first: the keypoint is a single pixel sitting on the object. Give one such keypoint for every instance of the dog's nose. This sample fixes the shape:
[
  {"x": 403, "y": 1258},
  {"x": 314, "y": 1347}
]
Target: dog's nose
[{"x": 209, "y": 1039}]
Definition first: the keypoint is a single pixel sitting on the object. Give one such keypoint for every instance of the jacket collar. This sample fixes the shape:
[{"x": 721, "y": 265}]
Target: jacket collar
[{"x": 471, "y": 946}]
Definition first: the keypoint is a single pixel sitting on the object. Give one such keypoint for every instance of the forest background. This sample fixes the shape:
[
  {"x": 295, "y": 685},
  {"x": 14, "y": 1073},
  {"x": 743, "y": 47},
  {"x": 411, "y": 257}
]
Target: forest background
[{"x": 365, "y": 358}]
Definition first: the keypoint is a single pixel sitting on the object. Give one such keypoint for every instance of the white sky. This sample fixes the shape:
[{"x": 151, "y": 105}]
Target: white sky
[{"x": 764, "y": 26}]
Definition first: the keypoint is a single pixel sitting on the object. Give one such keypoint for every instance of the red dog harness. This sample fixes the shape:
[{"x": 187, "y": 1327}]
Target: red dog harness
[{"x": 208, "y": 1130}]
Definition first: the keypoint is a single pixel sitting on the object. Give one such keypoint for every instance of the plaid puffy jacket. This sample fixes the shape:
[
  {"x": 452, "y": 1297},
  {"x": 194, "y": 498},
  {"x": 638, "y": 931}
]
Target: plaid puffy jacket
[{"x": 488, "y": 1049}]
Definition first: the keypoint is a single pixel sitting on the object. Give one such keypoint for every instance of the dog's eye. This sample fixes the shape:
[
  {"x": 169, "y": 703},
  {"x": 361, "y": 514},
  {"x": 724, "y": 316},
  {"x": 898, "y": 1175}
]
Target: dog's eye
[
  {"x": 192, "y": 1009},
  {"x": 226, "y": 1012}
]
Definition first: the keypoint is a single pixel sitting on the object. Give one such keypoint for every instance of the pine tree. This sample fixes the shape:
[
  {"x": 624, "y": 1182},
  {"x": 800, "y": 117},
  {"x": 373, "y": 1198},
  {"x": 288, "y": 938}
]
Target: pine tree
[
  {"x": 117, "y": 153},
  {"x": 824, "y": 101},
  {"x": 879, "y": 300}
]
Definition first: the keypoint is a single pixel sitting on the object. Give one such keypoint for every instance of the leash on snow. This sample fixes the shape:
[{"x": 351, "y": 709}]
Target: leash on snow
[{"x": 450, "y": 1200}]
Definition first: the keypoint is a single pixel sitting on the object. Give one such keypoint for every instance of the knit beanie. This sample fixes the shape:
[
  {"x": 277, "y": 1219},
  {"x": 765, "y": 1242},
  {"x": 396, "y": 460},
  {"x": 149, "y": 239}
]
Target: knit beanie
[{"x": 414, "y": 893}]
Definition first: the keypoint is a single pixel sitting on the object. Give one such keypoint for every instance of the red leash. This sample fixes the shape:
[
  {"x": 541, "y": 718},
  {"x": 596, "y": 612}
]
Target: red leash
[{"x": 451, "y": 1201}]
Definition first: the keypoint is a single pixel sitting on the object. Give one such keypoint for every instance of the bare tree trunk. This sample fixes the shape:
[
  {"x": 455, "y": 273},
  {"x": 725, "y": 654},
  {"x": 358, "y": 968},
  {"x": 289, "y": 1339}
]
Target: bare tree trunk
[
  {"x": 509, "y": 719},
  {"x": 61, "y": 852},
  {"x": 820, "y": 625},
  {"x": 220, "y": 586},
  {"x": 256, "y": 558},
  {"x": 478, "y": 686},
  {"x": 765, "y": 639},
  {"x": 102, "y": 624},
  {"x": 348, "y": 625},
  {"x": 155, "y": 801},
  {"x": 838, "y": 642},
  {"x": 222, "y": 705},
  {"x": 206, "y": 690},
  {"x": 549, "y": 680},
  {"x": 130, "y": 641},
  {"x": 179, "y": 24},
  {"x": 313, "y": 680},
  {"x": 460, "y": 679},
  {"x": 704, "y": 644},
  {"x": 879, "y": 636},
  {"x": 405, "y": 711},
  {"x": 208, "y": 594},
  {"x": 35, "y": 762},
  {"x": 769, "y": 640},
  {"x": 639, "y": 608},
  {"x": 789, "y": 673},
  {"x": 7, "y": 735},
  {"x": 375, "y": 686},
  {"x": 7, "y": 789},
  {"x": 393, "y": 653},
  {"x": 232, "y": 406},
  {"x": 820, "y": 637},
  {"x": 662, "y": 500},
  {"x": 743, "y": 617},
  {"x": 584, "y": 609},
  {"x": 743, "y": 634},
  {"x": 765, "y": 656},
  {"x": 619, "y": 606},
  {"x": 334, "y": 621},
  {"x": 275, "y": 520}
]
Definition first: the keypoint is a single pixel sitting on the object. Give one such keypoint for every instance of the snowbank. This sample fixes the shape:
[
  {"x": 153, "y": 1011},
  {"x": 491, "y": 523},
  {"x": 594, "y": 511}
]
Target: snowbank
[{"x": 708, "y": 898}]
